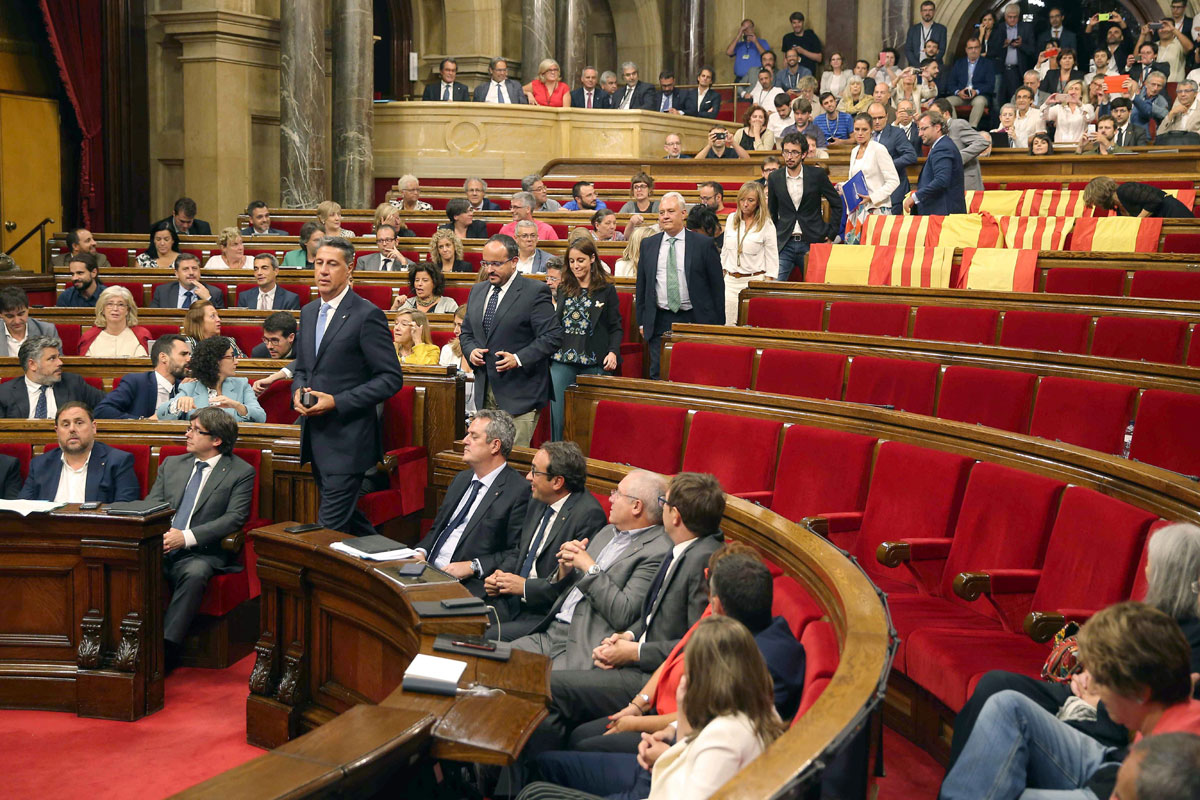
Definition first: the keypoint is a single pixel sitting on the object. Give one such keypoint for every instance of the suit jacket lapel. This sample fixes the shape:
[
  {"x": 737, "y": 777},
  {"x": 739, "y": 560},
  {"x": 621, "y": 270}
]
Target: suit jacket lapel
[
  {"x": 94, "y": 473},
  {"x": 334, "y": 323},
  {"x": 210, "y": 486},
  {"x": 497, "y": 488}
]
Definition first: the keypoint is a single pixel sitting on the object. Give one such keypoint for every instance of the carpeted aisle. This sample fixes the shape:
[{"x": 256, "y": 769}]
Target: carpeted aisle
[
  {"x": 200, "y": 732},
  {"x": 911, "y": 773}
]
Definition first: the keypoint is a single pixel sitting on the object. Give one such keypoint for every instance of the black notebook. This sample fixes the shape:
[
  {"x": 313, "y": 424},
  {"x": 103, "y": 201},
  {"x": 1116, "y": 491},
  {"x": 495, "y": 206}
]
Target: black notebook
[
  {"x": 135, "y": 508},
  {"x": 375, "y": 543},
  {"x": 434, "y": 608}
]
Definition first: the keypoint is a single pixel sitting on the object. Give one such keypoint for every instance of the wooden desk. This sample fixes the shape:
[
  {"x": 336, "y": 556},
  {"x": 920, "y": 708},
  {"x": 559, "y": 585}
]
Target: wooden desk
[
  {"x": 336, "y": 632},
  {"x": 81, "y": 624}
]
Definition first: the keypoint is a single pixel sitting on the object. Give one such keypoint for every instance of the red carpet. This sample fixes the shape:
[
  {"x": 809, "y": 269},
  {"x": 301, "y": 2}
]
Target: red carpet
[
  {"x": 911, "y": 773},
  {"x": 200, "y": 732}
]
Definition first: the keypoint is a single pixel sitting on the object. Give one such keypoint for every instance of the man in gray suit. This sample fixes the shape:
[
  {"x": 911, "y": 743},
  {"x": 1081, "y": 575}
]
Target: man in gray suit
[
  {"x": 18, "y": 325},
  {"x": 501, "y": 88},
  {"x": 971, "y": 145},
  {"x": 601, "y": 584},
  {"x": 211, "y": 490}
]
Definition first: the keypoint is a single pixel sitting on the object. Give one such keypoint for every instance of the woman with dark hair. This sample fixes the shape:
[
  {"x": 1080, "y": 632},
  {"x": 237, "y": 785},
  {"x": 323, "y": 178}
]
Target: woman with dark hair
[
  {"x": 426, "y": 282},
  {"x": 640, "y": 187},
  {"x": 1132, "y": 199},
  {"x": 202, "y": 322},
  {"x": 1062, "y": 72},
  {"x": 754, "y": 133},
  {"x": 214, "y": 367},
  {"x": 163, "y": 250},
  {"x": 462, "y": 220},
  {"x": 1040, "y": 144},
  {"x": 604, "y": 226},
  {"x": 589, "y": 313}
]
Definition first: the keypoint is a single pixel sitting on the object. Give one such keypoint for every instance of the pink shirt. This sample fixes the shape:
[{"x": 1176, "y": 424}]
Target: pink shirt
[{"x": 545, "y": 232}]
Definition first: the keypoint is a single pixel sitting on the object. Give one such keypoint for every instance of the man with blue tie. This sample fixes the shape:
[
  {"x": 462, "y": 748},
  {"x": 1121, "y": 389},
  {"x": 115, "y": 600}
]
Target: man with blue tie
[
  {"x": 211, "y": 490},
  {"x": 447, "y": 90},
  {"x": 187, "y": 287},
  {"x": 668, "y": 99},
  {"x": 903, "y": 154},
  {"x": 562, "y": 510},
  {"x": 80, "y": 469},
  {"x": 477, "y": 529},
  {"x": 138, "y": 395},
  {"x": 940, "y": 185},
  {"x": 973, "y": 81},
  {"x": 501, "y": 88}
]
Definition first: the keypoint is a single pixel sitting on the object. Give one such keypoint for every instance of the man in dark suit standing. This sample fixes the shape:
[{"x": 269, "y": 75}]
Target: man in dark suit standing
[
  {"x": 794, "y": 199},
  {"x": 510, "y": 332},
  {"x": 80, "y": 469},
  {"x": 479, "y": 524},
  {"x": 635, "y": 94},
  {"x": 899, "y": 148},
  {"x": 667, "y": 98},
  {"x": 501, "y": 88},
  {"x": 187, "y": 288},
  {"x": 211, "y": 491},
  {"x": 447, "y": 90},
  {"x": 1067, "y": 40},
  {"x": 921, "y": 32},
  {"x": 346, "y": 366},
  {"x": 183, "y": 220},
  {"x": 138, "y": 395},
  {"x": 940, "y": 185},
  {"x": 590, "y": 95},
  {"x": 1013, "y": 45},
  {"x": 45, "y": 386},
  {"x": 679, "y": 280},
  {"x": 562, "y": 510},
  {"x": 268, "y": 295}
]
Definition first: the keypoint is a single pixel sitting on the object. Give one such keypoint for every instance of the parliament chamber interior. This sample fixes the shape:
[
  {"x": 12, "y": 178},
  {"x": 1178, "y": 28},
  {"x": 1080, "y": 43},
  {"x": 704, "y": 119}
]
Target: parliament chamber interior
[{"x": 894, "y": 398}]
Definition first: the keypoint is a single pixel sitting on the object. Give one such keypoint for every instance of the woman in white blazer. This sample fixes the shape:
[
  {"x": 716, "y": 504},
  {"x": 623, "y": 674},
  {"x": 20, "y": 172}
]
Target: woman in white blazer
[
  {"x": 750, "y": 251},
  {"x": 875, "y": 163}
]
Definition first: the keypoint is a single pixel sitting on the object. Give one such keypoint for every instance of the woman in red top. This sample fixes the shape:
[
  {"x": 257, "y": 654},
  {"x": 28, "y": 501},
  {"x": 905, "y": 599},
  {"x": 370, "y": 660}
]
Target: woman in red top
[{"x": 546, "y": 89}]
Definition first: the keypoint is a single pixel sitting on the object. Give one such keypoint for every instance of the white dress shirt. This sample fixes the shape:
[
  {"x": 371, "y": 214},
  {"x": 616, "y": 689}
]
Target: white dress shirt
[
  {"x": 1069, "y": 126},
  {"x": 660, "y": 280},
  {"x": 165, "y": 387},
  {"x": 35, "y": 389},
  {"x": 626, "y": 97},
  {"x": 72, "y": 483},
  {"x": 795, "y": 188},
  {"x": 450, "y": 544},
  {"x": 589, "y": 98},
  {"x": 747, "y": 251},
  {"x": 189, "y": 538},
  {"x": 555, "y": 508},
  {"x": 1024, "y": 127},
  {"x": 524, "y": 266},
  {"x": 776, "y": 123},
  {"x": 676, "y": 554},
  {"x": 442, "y": 87},
  {"x": 495, "y": 92},
  {"x": 266, "y": 300},
  {"x": 333, "y": 307},
  {"x": 13, "y": 343}
]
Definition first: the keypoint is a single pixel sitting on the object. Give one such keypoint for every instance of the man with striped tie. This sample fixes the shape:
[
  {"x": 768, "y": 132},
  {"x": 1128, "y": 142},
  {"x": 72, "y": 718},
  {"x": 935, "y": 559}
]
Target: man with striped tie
[
  {"x": 562, "y": 510},
  {"x": 45, "y": 386}
]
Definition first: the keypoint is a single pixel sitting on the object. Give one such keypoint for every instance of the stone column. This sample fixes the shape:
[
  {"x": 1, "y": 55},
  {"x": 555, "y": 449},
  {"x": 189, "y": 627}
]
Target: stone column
[
  {"x": 537, "y": 36},
  {"x": 691, "y": 51},
  {"x": 302, "y": 114},
  {"x": 572, "y": 39},
  {"x": 353, "y": 110}
]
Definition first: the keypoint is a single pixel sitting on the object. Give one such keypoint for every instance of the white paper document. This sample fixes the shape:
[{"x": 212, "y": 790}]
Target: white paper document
[
  {"x": 387, "y": 555},
  {"x": 27, "y": 507}
]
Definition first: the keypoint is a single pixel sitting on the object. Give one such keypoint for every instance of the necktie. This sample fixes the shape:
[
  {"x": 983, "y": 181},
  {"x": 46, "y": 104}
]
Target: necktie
[
  {"x": 262, "y": 302},
  {"x": 188, "y": 297},
  {"x": 387, "y": 265},
  {"x": 445, "y": 92},
  {"x": 876, "y": 136},
  {"x": 459, "y": 519},
  {"x": 655, "y": 587},
  {"x": 500, "y": 93},
  {"x": 39, "y": 411},
  {"x": 489, "y": 313},
  {"x": 628, "y": 98},
  {"x": 666, "y": 105},
  {"x": 673, "y": 302},
  {"x": 320, "y": 331},
  {"x": 589, "y": 99},
  {"x": 184, "y": 513},
  {"x": 527, "y": 565}
]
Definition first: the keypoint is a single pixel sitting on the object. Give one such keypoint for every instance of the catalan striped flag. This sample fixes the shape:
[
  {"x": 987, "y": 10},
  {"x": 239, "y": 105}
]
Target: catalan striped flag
[
  {"x": 1036, "y": 233},
  {"x": 995, "y": 269},
  {"x": 1116, "y": 235}
]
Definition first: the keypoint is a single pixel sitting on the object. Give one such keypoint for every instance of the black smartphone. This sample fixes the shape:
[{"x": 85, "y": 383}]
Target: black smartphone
[
  {"x": 461, "y": 602},
  {"x": 307, "y": 400},
  {"x": 311, "y": 526},
  {"x": 88, "y": 506},
  {"x": 413, "y": 570}
]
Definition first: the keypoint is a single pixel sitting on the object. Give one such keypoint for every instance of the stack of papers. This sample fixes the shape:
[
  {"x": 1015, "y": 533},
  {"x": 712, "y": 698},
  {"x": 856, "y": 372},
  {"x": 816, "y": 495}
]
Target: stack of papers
[
  {"x": 385, "y": 555},
  {"x": 27, "y": 507},
  {"x": 433, "y": 675}
]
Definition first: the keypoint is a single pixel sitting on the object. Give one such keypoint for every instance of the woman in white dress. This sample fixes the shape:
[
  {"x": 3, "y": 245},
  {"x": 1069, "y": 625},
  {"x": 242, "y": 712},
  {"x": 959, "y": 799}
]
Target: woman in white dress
[
  {"x": 875, "y": 163},
  {"x": 116, "y": 333},
  {"x": 834, "y": 79},
  {"x": 750, "y": 251},
  {"x": 1069, "y": 114},
  {"x": 233, "y": 251}
]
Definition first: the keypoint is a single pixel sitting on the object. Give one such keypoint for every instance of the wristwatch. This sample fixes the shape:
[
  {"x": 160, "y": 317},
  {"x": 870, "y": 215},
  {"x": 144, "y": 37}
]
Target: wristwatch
[{"x": 594, "y": 569}]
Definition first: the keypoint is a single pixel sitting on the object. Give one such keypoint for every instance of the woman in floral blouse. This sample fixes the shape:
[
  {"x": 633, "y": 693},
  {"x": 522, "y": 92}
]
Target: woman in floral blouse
[{"x": 591, "y": 322}]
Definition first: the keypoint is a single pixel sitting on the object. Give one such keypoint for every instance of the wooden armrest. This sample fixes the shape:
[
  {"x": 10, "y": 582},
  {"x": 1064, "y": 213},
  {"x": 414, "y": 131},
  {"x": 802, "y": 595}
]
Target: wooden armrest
[
  {"x": 1042, "y": 625},
  {"x": 970, "y": 585},
  {"x": 817, "y": 525},
  {"x": 234, "y": 541},
  {"x": 893, "y": 554},
  {"x": 836, "y": 522}
]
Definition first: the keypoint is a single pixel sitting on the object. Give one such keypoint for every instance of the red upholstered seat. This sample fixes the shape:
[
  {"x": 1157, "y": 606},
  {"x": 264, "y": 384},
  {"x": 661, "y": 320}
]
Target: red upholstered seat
[
  {"x": 1137, "y": 339},
  {"x": 712, "y": 364},
  {"x": 1087, "y": 413},
  {"x": 141, "y": 463},
  {"x": 821, "y": 653},
  {"x": 993, "y": 397},
  {"x": 747, "y": 469},
  {"x": 407, "y": 481},
  {"x": 792, "y": 314},
  {"x": 1004, "y": 524},
  {"x": 801, "y": 374},
  {"x": 949, "y": 662},
  {"x": 914, "y": 492},
  {"x": 159, "y": 329},
  {"x": 1073, "y": 280},
  {"x": 22, "y": 452},
  {"x": 69, "y": 333},
  {"x": 1140, "y": 581},
  {"x": 869, "y": 319},
  {"x": 136, "y": 288},
  {"x": 1181, "y": 243},
  {"x": 620, "y": 432},
  {"x": 277, "y": 402},
  {"x": 948, "y": 324},
  {"x": 380, "y": 296},
  {"x": 1045, "y": 330},
  {"x": 812, "y": 693},
  {"x": 1168, "y": 284},
  {"x": 95, "y": 381},
  {"x": 457, "y": 293},
  {"x": 246, "y": 336},
  {"x": 303, "y": 290},
  {"x": 441, "y": 338},
  {"x": 901, "y": 384},
  {"x": 793, "y": 602},
  {"x": 821, "y": 470},
  {"x": 1166, "y": 433}
]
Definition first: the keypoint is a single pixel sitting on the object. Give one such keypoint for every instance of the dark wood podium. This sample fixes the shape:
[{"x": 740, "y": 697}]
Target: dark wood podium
[{"x": 81, "y": 608}]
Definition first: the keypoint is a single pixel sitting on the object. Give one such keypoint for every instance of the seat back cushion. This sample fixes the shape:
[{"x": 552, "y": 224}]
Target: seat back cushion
[
  {"x": 1166, "y": 433},
  {"x": 712, "y": 364},
  {"x": 868, "y": 319},
  {"x": 1045, "y": 330},
  {"x": 993, "y": 397},
  {"x": 821, "y": 471},
  {"x": 948, "y": 324},
  {"x": 801, "y": 374},
  {"x": 748, "y": 467},
  {"x": 1166, "y": 284},
  {"x": 620, "y": 431},
  {"x": 1136, "y": 339},
  {"x": 1085, "y": 413},
  {"x": 1072, "y": 280},
  {"x": 793, "y": 314},
  {"x": 904, "y": 385}
]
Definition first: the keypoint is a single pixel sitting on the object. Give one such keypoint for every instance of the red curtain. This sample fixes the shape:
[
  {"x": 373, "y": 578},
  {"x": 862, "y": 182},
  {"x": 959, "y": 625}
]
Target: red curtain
[{"x": 75, "y": 29}]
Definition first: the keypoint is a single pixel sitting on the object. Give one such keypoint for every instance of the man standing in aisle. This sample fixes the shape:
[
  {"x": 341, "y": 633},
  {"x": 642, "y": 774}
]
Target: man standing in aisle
[{"x": 794, "y": 198}]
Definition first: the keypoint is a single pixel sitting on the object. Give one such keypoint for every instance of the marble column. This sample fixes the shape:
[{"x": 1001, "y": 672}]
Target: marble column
[
  {"x": 537, "y": 36},
  {"x": 353, "y": 109},
  {"x": 691, "y": 50},
  {"x": 572, "y": 38},
  {"x": 302, "y": 114}
]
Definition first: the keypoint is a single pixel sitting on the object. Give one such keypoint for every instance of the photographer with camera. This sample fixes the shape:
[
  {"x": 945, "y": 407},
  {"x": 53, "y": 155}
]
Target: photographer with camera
[
  {"x": 722, "y": 145},
  {"x": 746, "y": 50}
]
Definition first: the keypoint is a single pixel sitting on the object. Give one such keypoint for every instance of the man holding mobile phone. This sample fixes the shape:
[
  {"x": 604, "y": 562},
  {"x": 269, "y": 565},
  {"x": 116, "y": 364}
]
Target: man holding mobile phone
[
  {"x": 1013, "y": 44},
  {"x": 746, "y": 50}
]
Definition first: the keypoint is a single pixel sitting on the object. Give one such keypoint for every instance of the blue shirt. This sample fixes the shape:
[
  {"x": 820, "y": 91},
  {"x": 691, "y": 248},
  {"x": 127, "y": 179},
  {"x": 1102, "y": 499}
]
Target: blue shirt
[
  {"x": 572, "y": 205},
  {"x": 73, "y": 298},
  {"x": 838, "y": 129},
  {"x": 746, "y": 57}
]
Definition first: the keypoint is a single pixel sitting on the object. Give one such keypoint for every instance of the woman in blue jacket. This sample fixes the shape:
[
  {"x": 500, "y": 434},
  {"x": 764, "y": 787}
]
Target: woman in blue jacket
[{"x": 213, "y": 366}]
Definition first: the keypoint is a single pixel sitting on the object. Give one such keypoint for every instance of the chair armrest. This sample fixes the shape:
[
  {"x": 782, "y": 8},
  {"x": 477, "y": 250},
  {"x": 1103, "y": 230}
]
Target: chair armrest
[
  {"x": 764, "y": 498},
  {"x": 893, "y": 554},
  {"x": 970, "y": 585},
  {"x": 916, "y": 549},
  {"x": 835, "y": 522},
  {"x": 233, "y": 542},
  {"x": 1042, "y": 625}
]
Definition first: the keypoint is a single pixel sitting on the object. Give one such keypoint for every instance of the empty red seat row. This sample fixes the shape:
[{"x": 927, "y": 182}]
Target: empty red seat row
[{"x": 1162, "y": 284}]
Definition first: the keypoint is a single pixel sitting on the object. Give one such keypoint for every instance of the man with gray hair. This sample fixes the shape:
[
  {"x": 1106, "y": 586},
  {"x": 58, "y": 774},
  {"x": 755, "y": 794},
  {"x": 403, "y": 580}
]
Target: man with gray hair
[
  {"x": 500, "y": 88},
  {"x": 1182, "y": 116},
  {"x": 1013, "y": 44},
  {"x": 1162, "y": 767},
  {"x": 522, "y": 206},
  {"x": 478, "y": 527},
  {"x": 608, "y": 84},
  {"x": 410, "y": 195},
  {"x": 1150, "y": 103},
  {"x": 537, "y": 187},
  {"x": 476, "y": 191},
  {"x": 589, "y": 94},
  {"x": 635, "y": 94},
  {"x": 45, "y": 386},
  {"x": 531, "y": 259}
]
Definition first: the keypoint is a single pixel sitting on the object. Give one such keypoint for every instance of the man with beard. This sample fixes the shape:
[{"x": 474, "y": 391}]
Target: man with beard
[
  {"x": 80, "y": 469},
  {"x": 137, "y": 396},
  {"x": 45, "y": 386},
  {"x": 85, "y": 285}
]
